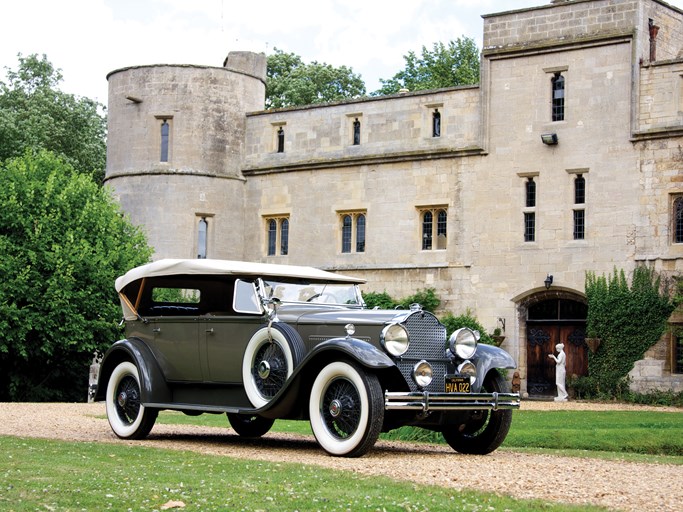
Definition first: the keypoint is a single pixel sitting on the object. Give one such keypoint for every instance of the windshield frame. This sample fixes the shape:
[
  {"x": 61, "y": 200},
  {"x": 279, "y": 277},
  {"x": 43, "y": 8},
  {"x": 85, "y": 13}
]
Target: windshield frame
[{"x": 311, "y": 292}]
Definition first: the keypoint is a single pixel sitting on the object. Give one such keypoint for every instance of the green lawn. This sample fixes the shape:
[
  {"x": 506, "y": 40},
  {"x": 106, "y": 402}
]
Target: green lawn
[{"x": 37, "y": 474}]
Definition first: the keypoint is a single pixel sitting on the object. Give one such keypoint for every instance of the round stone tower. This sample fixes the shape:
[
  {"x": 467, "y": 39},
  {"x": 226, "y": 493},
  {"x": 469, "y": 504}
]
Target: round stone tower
[{"x": 175, "y": 148}]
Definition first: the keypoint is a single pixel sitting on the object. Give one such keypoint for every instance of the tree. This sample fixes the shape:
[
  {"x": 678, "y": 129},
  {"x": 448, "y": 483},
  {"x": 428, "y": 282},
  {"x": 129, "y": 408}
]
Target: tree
[
  {"x": 63, "y": 241},
  {"x": 444, "y": 66},
  {"x": 291, "y": 82},
  {"x": 35, "y": 114}
]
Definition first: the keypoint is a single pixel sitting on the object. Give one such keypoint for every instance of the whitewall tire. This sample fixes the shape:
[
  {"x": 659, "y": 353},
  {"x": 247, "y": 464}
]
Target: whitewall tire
[
  {"x": 128, "y": 418},
  {"x": 346, "y": 409}
]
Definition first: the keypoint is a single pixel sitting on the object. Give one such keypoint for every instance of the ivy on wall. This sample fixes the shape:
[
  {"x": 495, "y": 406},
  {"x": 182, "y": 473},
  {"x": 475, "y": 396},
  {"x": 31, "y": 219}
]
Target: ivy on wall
[{"x": 628, "y": 320}]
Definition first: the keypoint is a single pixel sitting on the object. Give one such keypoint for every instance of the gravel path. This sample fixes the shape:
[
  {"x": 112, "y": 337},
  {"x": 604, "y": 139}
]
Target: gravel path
[{"x": 618, "y": 485}]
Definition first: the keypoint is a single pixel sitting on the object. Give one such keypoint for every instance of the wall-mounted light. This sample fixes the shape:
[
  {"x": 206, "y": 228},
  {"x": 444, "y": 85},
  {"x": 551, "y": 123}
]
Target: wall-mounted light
[
  {"x": 549, "y": 138},
  {"x": 548, "y": 281}
]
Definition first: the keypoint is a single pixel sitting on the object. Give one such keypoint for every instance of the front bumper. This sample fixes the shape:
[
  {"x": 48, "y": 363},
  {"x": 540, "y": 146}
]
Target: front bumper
[{"x": 425, "y": 401}]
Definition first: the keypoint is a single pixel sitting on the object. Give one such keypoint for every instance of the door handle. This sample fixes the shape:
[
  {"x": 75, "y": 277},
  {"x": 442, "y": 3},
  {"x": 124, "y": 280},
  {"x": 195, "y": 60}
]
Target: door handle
[
  {"x": 156, "y": 330},
  {"x": 210, "y": 331}
]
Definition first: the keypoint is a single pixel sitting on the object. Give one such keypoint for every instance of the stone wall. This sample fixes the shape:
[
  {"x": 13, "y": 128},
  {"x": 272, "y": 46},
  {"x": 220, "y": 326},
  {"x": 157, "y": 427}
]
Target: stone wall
[
  {"x": 396, "y": 127},
  {"x": 559, "y": 23},
  {"x": 660, "y": 102}
]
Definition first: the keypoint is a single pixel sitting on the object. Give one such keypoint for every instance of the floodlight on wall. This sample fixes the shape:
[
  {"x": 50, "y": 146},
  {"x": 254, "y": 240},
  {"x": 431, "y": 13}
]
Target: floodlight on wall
[
  {"x": 549, "y": 138},
  {"x": 548, "y": 282}
]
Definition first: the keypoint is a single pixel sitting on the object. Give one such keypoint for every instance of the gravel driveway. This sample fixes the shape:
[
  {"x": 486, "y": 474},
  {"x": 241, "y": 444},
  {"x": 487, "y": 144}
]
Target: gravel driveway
[{"x": 617, "y": 485}]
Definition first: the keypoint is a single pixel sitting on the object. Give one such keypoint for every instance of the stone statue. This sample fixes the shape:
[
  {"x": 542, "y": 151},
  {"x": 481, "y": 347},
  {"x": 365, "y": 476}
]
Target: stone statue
[{"x": 560, "y": 372}]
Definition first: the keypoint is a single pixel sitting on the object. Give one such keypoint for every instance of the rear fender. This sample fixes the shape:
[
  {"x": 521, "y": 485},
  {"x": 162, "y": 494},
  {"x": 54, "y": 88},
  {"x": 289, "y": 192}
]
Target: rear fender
[{"x": 152, "y": 382}]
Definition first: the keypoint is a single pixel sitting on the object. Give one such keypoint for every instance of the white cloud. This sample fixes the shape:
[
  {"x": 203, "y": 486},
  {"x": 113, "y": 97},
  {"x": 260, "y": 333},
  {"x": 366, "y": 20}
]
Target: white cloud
[{"x": 89, "y": 38}]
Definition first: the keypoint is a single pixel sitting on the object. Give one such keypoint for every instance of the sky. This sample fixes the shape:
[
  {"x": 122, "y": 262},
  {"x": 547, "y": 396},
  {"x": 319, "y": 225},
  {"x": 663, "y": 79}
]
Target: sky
[{"x": 87, "y": 39}]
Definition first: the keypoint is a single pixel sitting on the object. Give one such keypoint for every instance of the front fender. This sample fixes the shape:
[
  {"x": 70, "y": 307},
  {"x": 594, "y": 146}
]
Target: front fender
[
  {"x": 152, "y": 382},
  {"x": 488, "y": 357},
  {"x": 361, "y": 351}
]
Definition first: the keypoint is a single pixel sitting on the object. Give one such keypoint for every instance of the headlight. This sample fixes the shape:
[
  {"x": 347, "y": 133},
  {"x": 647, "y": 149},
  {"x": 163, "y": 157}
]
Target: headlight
[
  {"x": 463, "y": 343},
  {"x": 422, "y": 374},
  {"x": 395, "y": 340},
  {"x": 468, "y": 369}
]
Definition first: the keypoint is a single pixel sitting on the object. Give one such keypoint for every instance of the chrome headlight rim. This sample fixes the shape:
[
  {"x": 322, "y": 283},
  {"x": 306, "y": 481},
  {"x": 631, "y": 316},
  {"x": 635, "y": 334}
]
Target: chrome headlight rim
[
  {"x": 468, "y": 369},
  {"x": 395, "y": 339},
  {"x": 422, "y": 374},
  {"x": 463, "y": 342}
]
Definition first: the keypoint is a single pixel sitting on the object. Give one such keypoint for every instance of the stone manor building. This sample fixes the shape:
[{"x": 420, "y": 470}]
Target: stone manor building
[{"x": 566, "y": 158}]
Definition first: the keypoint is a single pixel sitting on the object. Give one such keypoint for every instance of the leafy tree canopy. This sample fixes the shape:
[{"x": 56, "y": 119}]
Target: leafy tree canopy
[
  {"x": 445, "y": 65},
  {"x": 35, "y": 114},
  {"x": 63, "y": 241},
  {"x": 290, "y": 82}
]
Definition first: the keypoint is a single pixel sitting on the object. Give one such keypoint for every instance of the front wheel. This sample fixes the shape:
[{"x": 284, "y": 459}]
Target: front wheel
[
  {"x": 128, "y": 418},
  {"x": 250, "y": 425},
  {"x": 346, "y": 409},
  {"x": 485, "y": 430}
]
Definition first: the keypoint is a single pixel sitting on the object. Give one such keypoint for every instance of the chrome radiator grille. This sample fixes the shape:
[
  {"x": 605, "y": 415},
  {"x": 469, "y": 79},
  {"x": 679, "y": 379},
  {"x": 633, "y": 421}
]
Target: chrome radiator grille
[{"x": 428, "y": 342}]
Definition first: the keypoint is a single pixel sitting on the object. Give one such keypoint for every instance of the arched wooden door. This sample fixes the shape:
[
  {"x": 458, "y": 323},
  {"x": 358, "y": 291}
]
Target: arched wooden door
[{"x": 550, "y": 322}]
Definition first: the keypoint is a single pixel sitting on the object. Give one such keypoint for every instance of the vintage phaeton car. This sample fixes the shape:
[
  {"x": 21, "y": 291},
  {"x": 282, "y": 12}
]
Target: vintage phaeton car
[{"x": 261, "y": 342}]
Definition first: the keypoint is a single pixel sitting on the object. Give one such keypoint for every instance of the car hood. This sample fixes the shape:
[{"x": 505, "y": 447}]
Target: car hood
[{"x": 340, "y": 315}]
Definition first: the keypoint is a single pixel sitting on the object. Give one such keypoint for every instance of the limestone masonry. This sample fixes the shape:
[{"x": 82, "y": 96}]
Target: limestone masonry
[{"x": 566, "y": 158}]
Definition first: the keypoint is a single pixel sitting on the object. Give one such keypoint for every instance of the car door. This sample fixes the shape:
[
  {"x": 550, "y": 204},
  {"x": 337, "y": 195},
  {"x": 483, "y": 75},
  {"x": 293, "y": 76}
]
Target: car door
[
  {"x": 175, "y": 341},
  {"x": 225, "y": 339}
]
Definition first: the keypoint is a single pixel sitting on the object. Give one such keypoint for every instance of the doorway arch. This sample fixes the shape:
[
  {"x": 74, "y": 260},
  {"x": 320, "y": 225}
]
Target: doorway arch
[{"x": 551, "y": 318}]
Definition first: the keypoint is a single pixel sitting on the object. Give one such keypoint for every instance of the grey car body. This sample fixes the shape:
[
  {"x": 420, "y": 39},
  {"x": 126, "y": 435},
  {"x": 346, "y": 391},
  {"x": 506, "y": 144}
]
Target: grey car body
[{"x": 261, "y": 342}]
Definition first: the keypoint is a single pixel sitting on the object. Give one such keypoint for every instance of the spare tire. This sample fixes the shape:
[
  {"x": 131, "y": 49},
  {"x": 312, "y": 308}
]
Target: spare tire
[{"x": 269, "y": 359}]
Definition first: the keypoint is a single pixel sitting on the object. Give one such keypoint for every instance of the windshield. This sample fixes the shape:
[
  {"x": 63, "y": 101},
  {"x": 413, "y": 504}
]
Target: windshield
[{"x": 315, "y": 293}]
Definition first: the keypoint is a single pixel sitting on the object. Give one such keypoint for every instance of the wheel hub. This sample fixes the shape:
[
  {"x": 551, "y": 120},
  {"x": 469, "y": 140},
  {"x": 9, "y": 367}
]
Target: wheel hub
[
  {"x": 263, "y": 370},
  {"x": 335, "y": 408},
  {"x": 122, "y": 399}
]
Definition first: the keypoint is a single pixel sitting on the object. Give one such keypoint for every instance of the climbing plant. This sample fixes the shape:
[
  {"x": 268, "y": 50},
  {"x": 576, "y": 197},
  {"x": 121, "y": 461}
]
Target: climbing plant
[{"x": 628, "y": 319}]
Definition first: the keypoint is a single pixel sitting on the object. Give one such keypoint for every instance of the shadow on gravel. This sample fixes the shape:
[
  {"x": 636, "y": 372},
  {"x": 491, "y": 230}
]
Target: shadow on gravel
[{"x": 290, "y": 443}]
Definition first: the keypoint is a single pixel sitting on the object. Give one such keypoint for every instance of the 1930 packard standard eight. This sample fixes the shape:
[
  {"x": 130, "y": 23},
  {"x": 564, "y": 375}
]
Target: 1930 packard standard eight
[{"x": 262, "y": 342}]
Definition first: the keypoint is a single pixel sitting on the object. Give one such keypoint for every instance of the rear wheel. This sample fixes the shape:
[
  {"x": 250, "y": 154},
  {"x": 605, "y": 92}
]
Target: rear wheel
[
  {"x": 346, "y": 409},
  {"x": 247, "y": 425},
  {"x": 485, "y": 430},
  {"x": 128, "y": 418}
]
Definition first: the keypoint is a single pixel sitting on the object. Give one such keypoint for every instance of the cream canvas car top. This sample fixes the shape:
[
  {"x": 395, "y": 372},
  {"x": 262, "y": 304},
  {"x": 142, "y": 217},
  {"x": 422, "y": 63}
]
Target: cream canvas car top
[{"x": 169, "y": 267}]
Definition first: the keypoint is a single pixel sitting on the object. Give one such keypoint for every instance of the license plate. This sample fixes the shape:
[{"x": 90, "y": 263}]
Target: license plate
[{"x": 455, "y": 384}]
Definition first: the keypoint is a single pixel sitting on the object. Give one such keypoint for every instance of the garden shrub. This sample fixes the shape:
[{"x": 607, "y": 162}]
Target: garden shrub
[{"x": 426, "y": 298}]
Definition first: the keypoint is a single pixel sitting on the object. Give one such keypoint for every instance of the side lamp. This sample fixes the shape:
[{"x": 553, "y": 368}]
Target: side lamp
[{"x": 549, "y": 138}]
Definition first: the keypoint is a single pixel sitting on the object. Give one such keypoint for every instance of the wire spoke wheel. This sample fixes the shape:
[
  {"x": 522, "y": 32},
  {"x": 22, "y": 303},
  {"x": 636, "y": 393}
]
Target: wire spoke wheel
[
  {"x": 128, "y": 418},
  {"x": 128, "y": 400},
  {"x": 341, "y": 408},
  {"x": 346, "y": 409},
  {"x": 270, "y": 369},
  {"x": 269, "y": 359}
]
